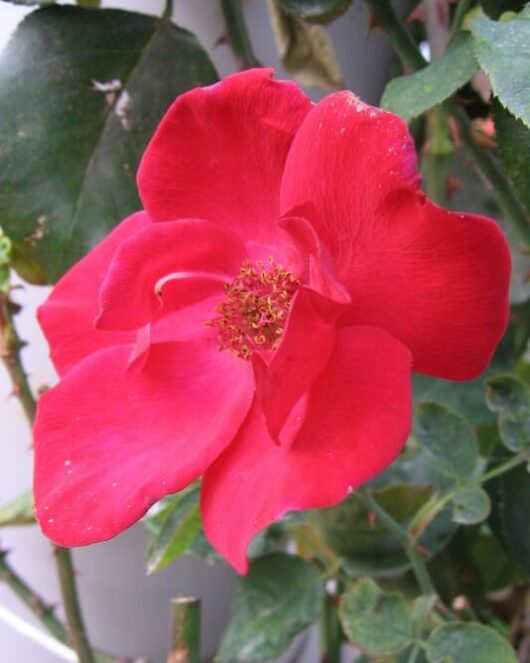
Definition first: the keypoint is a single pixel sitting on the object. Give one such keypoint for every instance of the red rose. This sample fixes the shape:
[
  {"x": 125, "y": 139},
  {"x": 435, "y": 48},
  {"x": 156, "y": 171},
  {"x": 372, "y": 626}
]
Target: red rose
[{"x": 257, "y": 324}]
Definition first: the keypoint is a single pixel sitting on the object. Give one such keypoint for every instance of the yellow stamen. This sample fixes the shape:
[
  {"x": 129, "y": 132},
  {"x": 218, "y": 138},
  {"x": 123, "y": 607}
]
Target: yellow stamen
[{"x": 254, "y": 313}]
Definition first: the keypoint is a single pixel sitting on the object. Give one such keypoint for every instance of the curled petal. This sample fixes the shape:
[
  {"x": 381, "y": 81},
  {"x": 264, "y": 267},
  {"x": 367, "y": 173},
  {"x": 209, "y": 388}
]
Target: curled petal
[
  {"x": 132, "y": 437},
  {"x": 319, "y": 267},
  {"x": 305, "y": 349},
  {"x": 67, "y": 316},
  {"x": 357, "y": 421},
  {"x": 161, "y": 258}
]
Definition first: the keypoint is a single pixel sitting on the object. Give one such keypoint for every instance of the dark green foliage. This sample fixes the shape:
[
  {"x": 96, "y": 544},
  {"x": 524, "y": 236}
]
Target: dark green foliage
[
  {"x": 315, "y": 11},
  {"x": 279, "y": 597},
  {"x": 82, "y": 92},
  {"x": 513, "y": 140}
]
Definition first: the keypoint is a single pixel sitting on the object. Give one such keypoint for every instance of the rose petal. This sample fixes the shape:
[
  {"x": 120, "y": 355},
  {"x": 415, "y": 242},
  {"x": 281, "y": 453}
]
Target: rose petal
[
  {"x": 108, "y": 443},
  {"x": 219, "y": 153},
  {"x": 445, "y": 297},
  {"x": 347, "y": 157},
  {"x": 305, "y": 349},
  {"x": 319, "y": 268},
  {"x": 146, "y": 264},
  {"x": 358, "y": 419},
  {"x": 67, "y": 316},
  {"x": 436, "y": 280}
]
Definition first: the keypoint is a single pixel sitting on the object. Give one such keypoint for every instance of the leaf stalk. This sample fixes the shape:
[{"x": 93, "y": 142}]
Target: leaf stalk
[{"x": 416, "y": 560}]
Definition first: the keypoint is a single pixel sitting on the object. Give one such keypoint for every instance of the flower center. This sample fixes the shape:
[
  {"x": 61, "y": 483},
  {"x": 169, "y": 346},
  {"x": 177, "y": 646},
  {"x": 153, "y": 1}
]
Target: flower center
[{"x": 254, "y": 313}]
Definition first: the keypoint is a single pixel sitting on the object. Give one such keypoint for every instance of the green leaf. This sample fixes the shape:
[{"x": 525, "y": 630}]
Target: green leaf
[
  {"x": 513, "y": 140},
  {"x": 202, "y": 549},
  {"x": 378, "y": 623},
  {"x": 6, "y": 250},
  {"x": 279, "y": 597},
  {"x": 494, "y": 8},
  {"x": 471, "y": 505},
  {"x": 510, "y": 497},
  {"x": 175, "y": 528},
  {"x": 19, "y": 511},
  {"x": 510, "y": 398},
  {"x": 468, "y": 643},
  {"x": 466, "y": 398},
  {"x": 315, "y": 11},
  {"x": 82, "y": 91},
  {"x": 410, "y": 96},
  {"x": 365, "y": 545},
  {"x": 501, "y": 48},
  {"x": 449, "y": 439},
  {"x": 490, "y": 559}
]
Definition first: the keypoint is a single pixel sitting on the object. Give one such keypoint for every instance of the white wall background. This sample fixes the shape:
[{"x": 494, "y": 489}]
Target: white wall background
[{"x": 127, "y": 612}]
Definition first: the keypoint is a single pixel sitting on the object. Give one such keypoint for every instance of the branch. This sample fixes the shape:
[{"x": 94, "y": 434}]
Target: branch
[
  {"x": 502, "y": 188},
  {"x": 76, "y": 626},
  {"x": 416, "y": 560},
  {"x": 237, "y": 34},
  {"x": 400, "y": 38},
  {"x": 460, "y": 13},
  {"x": 10, "y": 346},
  {"x": 437, "y": 31},
  {"x": 44, "y": 612},
  {"x": 186, "y": 628}
]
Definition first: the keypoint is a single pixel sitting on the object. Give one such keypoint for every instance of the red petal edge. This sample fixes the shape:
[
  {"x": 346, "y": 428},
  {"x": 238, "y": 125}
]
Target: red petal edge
[
  {"x": 358, "y": 419},
  {"x": 110, "y": 443},
  {"x": 67, "y": 316}
]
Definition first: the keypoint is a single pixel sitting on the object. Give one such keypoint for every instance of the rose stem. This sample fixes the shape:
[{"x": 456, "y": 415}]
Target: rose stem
[
  {"x": 330, "y": 631},
  {"x": 185, "y": 631},
  {"x": 425, "y": 515},
  {"x": 411, "y": 58},
  {"x": 237, "y": 34},
  {"x": 74, "y": 618},
  {"x": 461, "y": 10},
  {"x": 437, "y": 30},
  {"x": 168, "y": 11},
  {"x": 44, "y": 612},
  {"x": 501, "y": 186},
  {"x": 416, "y": 561},
  {"x": 400, "y": 38},
  {"x": 10, "y": 345}
]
